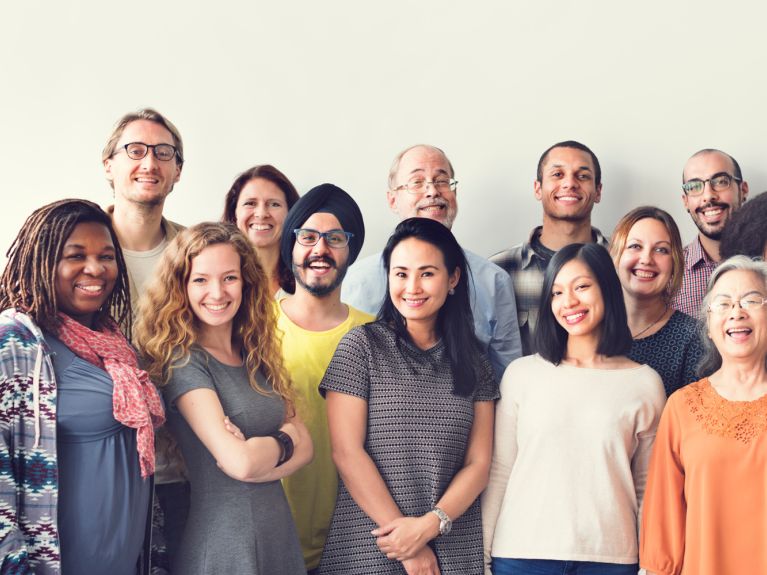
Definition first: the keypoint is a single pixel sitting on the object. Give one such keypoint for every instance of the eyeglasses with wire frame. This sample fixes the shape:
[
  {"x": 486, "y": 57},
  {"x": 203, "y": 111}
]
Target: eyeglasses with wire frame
[
  {"x": 418, "y": 185},
  {"x": 723, "y": 305},
  {"x": 139, "y": 150},
  {"x": 333, "y": 238},
  {"x": 719, "y": 183}
]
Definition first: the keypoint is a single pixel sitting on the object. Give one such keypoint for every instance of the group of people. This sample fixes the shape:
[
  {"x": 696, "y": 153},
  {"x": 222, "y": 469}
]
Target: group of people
[{"x": 243, "y": 396}]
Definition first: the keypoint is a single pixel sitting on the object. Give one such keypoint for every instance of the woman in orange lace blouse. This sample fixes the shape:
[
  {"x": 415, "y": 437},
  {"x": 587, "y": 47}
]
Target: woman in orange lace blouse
[{"x": 705, "y": 508}]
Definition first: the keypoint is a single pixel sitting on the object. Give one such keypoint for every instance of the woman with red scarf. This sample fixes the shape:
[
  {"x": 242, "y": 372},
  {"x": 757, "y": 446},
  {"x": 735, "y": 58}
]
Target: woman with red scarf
[{"x": 77, "y": 415}]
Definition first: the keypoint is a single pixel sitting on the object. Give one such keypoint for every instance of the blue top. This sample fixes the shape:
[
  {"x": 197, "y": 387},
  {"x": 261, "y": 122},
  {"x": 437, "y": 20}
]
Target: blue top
[
  {"x": 103, "y": 501},
  {"x": 490, "y": 293},
  {"x": 673, "y": 351}
]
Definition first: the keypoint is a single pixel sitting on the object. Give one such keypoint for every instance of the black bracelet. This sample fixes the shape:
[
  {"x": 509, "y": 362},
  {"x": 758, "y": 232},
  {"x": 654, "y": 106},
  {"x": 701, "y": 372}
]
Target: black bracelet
[{"x": 286, "y": 446}]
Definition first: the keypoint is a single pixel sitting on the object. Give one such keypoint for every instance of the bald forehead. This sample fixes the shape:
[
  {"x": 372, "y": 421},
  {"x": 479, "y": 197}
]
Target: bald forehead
[
  {"x": 421, "y": 158},
  {"x": 706, "y": 163}
]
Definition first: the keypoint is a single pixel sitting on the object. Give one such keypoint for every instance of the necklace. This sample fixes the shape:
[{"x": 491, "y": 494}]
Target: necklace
[{"x": 660, "y": 317}]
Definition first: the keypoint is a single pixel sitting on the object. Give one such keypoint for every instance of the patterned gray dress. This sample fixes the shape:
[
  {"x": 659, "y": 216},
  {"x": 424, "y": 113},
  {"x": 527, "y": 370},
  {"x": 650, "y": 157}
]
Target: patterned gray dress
[
  {"x": 233, "y": 527},
  {"x": 417, "y": 435}
]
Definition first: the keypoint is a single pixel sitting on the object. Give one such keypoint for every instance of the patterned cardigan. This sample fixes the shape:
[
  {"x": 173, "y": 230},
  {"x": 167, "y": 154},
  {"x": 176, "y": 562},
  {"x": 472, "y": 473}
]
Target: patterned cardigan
[{"x": 29, "y": 537}]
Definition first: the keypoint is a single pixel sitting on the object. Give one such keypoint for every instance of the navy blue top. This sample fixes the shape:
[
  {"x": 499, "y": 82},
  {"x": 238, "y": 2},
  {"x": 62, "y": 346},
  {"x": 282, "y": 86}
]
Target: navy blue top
[
  {"x": 673, "y": 351},
  {"x": 103, "y": 501}
]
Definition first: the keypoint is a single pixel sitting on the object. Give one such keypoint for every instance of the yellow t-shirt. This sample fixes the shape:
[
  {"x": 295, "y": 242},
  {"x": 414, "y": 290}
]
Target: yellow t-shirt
[{"x": 311, "y": 491}]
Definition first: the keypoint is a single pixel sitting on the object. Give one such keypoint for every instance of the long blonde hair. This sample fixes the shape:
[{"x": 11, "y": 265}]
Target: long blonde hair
[{"x": 167, "y": 327}]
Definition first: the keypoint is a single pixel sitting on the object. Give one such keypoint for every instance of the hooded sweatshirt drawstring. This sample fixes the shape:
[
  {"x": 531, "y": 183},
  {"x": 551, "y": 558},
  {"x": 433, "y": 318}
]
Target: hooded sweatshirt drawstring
[{"x": 36, "y": 393}]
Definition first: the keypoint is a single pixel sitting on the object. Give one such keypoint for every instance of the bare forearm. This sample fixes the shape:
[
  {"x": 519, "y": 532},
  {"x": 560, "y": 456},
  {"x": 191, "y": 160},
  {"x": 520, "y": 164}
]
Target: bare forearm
[
  {"x": 464, "y": 489},
  {"x": 303, "y": 453}
]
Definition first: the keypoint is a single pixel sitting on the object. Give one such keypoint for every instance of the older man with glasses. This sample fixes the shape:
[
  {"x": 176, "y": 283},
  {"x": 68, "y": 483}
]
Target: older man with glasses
[
  {"x": 712, "y": 189},
  {"x": 422, "y": 184}
]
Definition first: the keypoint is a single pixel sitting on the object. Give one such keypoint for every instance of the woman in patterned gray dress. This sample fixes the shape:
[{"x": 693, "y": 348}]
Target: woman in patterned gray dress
[{"x": 410, "y": 402}]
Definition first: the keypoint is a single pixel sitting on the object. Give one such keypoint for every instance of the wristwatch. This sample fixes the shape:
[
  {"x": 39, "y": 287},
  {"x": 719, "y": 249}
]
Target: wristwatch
[{"x": 445, "y": 524}]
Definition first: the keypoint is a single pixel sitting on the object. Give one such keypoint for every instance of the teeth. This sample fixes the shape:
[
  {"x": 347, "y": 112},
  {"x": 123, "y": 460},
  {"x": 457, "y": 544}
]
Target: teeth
[
  {"x": 574, "y": 316},
  {"x": 739, "y": 330},
  {"x": 261, "y": 227},
  {"x": 644, "y": 274},
  {"x": 215, "y": 307},
  {"x": 711, "y": 213},
  {"x": 92, "y": 289}
]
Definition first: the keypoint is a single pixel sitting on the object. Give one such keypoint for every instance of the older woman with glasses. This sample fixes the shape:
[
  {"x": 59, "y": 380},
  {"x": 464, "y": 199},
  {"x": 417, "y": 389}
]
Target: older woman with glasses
[
  {"x": 647, "y": 251},
  {"x": 705, "y": 508}
]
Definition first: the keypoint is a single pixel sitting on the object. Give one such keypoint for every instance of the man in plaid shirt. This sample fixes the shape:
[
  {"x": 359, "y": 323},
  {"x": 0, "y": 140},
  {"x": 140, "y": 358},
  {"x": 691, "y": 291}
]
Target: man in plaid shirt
[
  {"x": 568, "y": 184},
  {"x": 712, "y": 189}
]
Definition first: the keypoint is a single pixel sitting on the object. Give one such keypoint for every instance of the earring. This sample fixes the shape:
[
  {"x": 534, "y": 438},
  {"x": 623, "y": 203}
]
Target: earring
[{"x": 451, "y": 291}]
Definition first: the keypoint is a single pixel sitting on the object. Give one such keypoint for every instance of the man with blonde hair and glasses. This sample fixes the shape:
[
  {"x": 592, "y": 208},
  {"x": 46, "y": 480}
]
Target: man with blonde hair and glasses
[
  {"x": 712, "y": 189},
  {"x": 422, "y": 184},
  {"x": 142, "y": 161}
]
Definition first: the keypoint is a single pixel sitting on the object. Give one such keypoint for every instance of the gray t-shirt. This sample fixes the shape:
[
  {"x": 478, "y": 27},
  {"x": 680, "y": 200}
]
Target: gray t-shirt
[{"x": 233, "y": 526}]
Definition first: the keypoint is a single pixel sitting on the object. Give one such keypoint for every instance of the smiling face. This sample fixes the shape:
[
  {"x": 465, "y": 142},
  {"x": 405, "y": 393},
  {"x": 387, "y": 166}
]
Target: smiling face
[
  {"x": 419, "y": 281},
  {"x": 711, "y": 210},
  {"x": 320, "y": 269},
  {"x": 739, "y": 334},
  {"x": 577, "y": 302},
  {"x": 146, "y": 181},
  {"x": 424, "y": 163},
  {"x": 86, "y": 272},
  {"x": 567, "y": 189},
  {"x": 645, "y": 265},
  {"x": 261, "y": 210},
  {"x": 215, "y": 287}
]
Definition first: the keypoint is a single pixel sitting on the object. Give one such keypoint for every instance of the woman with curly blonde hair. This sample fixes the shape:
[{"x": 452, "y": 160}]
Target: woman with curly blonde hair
[{"x": 207, "y": 331}]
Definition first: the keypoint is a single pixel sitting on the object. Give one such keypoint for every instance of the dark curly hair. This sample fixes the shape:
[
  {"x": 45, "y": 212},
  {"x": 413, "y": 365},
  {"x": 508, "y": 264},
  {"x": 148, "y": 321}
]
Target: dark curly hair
[{"x": 746, "y": 232}]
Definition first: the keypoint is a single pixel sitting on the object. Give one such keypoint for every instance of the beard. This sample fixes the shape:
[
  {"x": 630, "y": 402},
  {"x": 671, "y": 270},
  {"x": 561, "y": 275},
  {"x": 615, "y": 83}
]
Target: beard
[
  {"x": 319, "y": 290},
  {"x": 711, "y": 233}
]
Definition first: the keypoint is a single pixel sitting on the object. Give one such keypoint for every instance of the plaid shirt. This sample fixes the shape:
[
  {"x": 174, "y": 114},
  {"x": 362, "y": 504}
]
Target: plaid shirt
[
  {"x": 526, "y": 268},
  {"x": 698, "y": 267}
]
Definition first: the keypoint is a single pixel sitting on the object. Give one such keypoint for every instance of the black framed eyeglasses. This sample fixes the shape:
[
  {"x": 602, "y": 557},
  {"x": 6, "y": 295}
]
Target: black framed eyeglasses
[
  {"x": 333, "y": 238},
  {"x": 418, "y": 185},
  {"x": 719, "y": 183},
  {"x": 139, "y": 150}
]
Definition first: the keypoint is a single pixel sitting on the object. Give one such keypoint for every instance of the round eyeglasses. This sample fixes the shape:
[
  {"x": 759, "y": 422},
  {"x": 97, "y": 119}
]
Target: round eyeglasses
[
  {"x": 333, "y": 238},
  {"x": 718, "y": 182},
  {"x": 418, "y": 185},
  {"x": 138, "y": 150}
]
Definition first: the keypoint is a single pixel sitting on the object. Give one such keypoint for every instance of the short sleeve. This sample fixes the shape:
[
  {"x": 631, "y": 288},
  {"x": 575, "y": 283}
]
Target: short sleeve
[
  {"x": 487, "y": 388},
  {"x": 349, "y": 369},
  {"x": 186, "y": 376}
]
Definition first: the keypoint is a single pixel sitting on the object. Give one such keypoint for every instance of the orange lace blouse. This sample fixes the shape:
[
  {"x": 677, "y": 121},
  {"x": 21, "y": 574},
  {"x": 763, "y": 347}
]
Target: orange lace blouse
[{"x": 705, "y": 507}]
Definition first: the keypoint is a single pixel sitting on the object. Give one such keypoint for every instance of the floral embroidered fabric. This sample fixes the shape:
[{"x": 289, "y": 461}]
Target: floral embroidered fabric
[{"x": 740, "y": 420}]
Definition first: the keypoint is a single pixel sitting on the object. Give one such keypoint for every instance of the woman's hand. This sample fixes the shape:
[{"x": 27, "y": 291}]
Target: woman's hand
[
  {"x": 424, "y": 563},
  {"x": 233, "y": 429},
  {"x": 404, "y": 537}
]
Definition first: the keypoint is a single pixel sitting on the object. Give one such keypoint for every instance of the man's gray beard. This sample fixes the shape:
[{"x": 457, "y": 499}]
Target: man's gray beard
[{"x": 321, "y": 291}]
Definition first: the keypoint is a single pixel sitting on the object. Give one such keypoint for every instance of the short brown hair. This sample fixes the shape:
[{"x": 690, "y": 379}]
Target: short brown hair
[{"x": 151, "y": 115}]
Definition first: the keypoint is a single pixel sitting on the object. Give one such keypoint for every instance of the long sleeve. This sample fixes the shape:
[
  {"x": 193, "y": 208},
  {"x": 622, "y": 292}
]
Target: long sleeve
[
  {"x": 504, "y": 455},
  {"x": 505, "y": 343},
  {"x": 662, "y": 534}
]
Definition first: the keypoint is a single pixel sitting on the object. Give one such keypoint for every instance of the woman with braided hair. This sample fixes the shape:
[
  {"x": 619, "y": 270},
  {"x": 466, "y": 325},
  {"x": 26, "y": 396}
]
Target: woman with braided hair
[{"x": 77, "y": 415}]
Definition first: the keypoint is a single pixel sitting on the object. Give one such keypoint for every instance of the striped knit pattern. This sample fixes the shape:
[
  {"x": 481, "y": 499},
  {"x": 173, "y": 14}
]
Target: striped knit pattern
[
  {"x": 417, "y": 435},
  {"x": 29, "y": 540}
]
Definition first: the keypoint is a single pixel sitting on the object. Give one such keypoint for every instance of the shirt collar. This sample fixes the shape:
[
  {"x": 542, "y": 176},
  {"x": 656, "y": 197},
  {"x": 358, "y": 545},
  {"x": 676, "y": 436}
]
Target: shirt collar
[{"x": 694, "y": 254}]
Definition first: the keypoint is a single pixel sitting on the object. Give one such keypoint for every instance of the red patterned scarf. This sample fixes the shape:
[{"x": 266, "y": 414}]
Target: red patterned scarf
[{"x": 135, "y": 400}]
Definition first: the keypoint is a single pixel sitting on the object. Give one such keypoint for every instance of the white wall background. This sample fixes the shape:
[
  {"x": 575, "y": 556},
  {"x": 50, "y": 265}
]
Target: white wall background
[{"x": 331, "y": 91}]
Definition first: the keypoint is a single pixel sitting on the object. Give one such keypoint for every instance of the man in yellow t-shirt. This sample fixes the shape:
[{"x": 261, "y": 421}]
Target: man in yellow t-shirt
[{"x": 321, "y": 237}]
